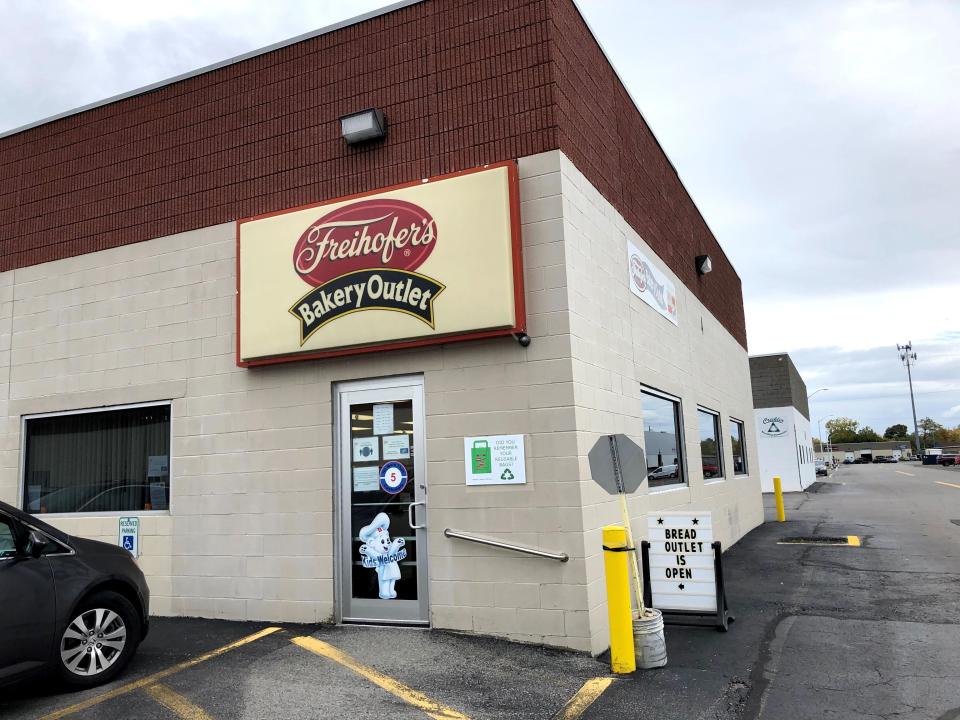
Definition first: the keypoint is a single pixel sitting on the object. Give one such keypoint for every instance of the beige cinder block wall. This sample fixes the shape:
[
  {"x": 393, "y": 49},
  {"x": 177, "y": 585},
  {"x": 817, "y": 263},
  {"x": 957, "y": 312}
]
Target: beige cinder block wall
[
  {"x": 619, "y": 344},
  {"x": 249, "y": 532}
]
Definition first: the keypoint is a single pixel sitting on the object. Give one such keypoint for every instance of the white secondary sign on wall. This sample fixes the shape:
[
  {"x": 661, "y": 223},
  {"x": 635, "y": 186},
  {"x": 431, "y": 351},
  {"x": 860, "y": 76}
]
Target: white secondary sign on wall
[
  {"x": 129, "y": 535},
  {"x": 651, "y": 285},
  {"x": 495, "y": 460},
  {"x": 784, "y": 448},
  {"x": 681, "y": 561}
]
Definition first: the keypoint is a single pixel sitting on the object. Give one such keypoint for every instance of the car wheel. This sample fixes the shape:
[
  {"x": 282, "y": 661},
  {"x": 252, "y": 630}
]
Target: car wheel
[{"x": 99, "y": 640}]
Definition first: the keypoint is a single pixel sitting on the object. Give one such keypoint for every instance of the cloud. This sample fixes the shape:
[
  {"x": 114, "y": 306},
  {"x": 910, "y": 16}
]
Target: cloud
[
  {"x": 818, "y": 138},
  {"x": 60, "y": 56},
  {"x": 870, "y": 385}
]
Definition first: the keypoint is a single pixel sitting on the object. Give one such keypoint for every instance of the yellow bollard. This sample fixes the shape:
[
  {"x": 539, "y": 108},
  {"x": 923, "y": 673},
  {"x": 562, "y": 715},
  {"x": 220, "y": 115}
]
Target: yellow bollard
[
  {"x": 778, "y": 494},
  {"x": 622, "y": 656}
]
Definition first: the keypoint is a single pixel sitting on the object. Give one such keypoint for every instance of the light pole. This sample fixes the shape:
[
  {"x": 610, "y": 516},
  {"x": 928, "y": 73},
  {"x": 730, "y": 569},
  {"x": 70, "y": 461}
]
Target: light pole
[
  {"x": 906, "y": 356},
  {"x": 815, "y": 392},
  {"x": 820, "y": 432}
]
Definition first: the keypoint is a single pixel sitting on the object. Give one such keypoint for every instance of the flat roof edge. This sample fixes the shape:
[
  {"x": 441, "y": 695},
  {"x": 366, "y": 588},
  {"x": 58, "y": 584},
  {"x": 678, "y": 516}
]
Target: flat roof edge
[
  {"x": 673, "y": 167},
  {"x": 215, "y": 66}
]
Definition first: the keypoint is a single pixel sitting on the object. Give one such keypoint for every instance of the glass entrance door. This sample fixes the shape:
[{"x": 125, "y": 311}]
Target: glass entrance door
[{"x": 382, "y": 508}]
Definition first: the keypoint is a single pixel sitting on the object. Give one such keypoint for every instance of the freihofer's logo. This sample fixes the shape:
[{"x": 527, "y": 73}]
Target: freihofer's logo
[
  {"x": 361, "y": 257},
  {"x": 646, "y": 282}
]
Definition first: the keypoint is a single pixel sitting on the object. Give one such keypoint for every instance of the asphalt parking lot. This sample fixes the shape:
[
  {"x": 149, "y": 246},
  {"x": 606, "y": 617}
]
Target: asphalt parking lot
[
  {"x": 203, "y": 669},
  {"x": 851, "y": 633}
]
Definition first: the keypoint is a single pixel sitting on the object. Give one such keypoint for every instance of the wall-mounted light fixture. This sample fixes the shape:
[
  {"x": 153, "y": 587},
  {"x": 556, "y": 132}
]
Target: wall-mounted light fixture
[
  {"x": 369, "y": 124},
  {"x": 704, "y": 264}
]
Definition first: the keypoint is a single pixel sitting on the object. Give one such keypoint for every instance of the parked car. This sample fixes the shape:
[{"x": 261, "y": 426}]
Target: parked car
[
  {"x": 664, "y": 471},
  {"x": 82, "y": 627},
  {"x": 949, "y": 460},
  {"x": 711, "y": 471},
  {"x": 884, "y": 459},
  {"x": 821, "y": 467}
]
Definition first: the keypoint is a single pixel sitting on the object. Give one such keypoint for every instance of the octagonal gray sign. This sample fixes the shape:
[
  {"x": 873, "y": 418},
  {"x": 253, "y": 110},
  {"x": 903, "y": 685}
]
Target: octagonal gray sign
[{"x": 617, "y": 464}]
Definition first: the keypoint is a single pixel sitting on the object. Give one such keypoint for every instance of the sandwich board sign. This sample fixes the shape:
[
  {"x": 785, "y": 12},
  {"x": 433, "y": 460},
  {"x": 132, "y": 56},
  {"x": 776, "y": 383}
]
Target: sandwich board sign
[
  {"x": 130, "y": 535},
  {"x": 682, "y": 566}
]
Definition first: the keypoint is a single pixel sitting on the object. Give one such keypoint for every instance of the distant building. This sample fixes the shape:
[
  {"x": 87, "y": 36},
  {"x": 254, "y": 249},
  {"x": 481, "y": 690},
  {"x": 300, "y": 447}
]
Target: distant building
[
  {"x": 868, "y": 450},
  {"x": 782, "y": 417}
]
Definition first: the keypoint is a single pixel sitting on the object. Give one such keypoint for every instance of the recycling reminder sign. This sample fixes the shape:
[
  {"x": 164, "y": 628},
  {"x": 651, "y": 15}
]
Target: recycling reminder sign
[{"x": 494, "y": 460}]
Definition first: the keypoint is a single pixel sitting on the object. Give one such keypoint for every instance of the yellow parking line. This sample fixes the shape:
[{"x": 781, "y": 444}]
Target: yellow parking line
[
  {"x": 395, "y": 687},
  {"x": 853, "y": 540},
  {"x": 157, "y": 676},
  {"x": 904, "y": 473},
  {"x": 176, "y": 702},
  {"x": 940, "y": 482},
  {"x": 585, "y": 697}
]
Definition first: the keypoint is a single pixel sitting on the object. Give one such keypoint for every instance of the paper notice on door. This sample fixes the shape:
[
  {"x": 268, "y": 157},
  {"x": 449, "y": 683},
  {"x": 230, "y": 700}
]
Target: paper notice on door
[
  {"x": 383, "y": 419},
  {"x": 158, "y": 496},
  {"x": 157, "y": 465},
  {"x": 366, "y": 449},
  {"x": 396, "y": 447},
  {"x": 366, "y": 479}
]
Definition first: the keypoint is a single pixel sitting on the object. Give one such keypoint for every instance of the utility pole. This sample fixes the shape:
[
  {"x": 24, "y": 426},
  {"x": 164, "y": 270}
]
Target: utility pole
[{"x": 907, "y": 355}]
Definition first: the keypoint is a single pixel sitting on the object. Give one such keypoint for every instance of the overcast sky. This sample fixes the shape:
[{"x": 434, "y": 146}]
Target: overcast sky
[{"x": 819, "y": 140}]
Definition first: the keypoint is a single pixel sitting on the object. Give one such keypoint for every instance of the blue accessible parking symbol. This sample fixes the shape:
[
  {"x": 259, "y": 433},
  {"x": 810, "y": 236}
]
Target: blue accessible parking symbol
[
  {"x": 129, "y": 535},
  {"x": 393, "y": 477}
]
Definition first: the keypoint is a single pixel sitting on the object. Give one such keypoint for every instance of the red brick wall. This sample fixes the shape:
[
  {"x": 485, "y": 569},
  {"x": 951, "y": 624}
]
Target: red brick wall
[
  {"x": 462, "y": 82},
  {"x": 604, "y": 135}
]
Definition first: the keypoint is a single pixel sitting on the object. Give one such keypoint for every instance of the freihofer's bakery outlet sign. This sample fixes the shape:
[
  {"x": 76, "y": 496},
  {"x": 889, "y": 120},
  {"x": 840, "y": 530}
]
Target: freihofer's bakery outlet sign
[
  {"x": 361, "y": 256},
  {"x": 432, "y": 261}
]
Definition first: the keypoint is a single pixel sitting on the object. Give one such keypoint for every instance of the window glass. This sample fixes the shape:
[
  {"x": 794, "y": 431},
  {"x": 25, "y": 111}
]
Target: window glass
[
  {"x": 739, "y": 450},
  {"x": 109, "y": 461},
  {"x": 710, "y": 457},
  {"x": 8, "y": 544},
  {"x": 662, "y": 440},
  {"x": 390, "y": 537}
]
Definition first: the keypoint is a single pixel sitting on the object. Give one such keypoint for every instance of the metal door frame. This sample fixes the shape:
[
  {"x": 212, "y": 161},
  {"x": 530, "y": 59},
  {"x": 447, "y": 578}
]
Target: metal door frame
[{"x": 397, "y": 387}]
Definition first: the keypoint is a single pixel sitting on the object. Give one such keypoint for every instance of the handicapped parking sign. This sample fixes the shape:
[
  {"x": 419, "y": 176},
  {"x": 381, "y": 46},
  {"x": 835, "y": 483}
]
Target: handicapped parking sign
[{"x": 130, "y": 535}]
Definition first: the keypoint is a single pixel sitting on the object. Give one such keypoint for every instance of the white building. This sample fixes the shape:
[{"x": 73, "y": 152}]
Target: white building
[{"x": 782, "y": 418}]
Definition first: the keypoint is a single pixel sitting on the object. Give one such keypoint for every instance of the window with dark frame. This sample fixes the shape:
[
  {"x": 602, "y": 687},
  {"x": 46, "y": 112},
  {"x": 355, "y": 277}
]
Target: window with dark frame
[
  {"x": 738, "y": 447},
  {"x": 115, "y": 460},
  {"x": 663, "y": 440},
  {"x": 711, "y": 457},
  {"x": 8, "y": 540}
]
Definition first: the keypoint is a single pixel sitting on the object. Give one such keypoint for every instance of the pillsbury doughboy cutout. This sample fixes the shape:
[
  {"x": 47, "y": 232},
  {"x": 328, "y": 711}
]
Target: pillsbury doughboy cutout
[{"x": 380, "y": 553}]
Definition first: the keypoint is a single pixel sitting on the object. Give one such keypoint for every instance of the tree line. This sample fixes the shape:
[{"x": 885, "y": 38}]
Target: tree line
[{"x": 932, "y": 433}]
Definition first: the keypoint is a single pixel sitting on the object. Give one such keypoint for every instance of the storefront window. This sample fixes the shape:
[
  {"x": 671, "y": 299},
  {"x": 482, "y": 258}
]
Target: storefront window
[
  {"x": 103, "y": 461},
  {"x": 663, "y": 440},
  {"x": 739, "y": 449},
  {"x": 710, "y": 455}
]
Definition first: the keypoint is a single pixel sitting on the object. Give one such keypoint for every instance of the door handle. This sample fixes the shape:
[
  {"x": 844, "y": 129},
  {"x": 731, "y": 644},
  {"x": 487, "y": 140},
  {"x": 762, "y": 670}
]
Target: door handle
[{"x": 411, "y": 513}]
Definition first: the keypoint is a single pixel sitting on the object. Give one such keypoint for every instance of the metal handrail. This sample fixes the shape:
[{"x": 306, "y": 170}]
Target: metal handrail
[{"x": 562, "y": 557}]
